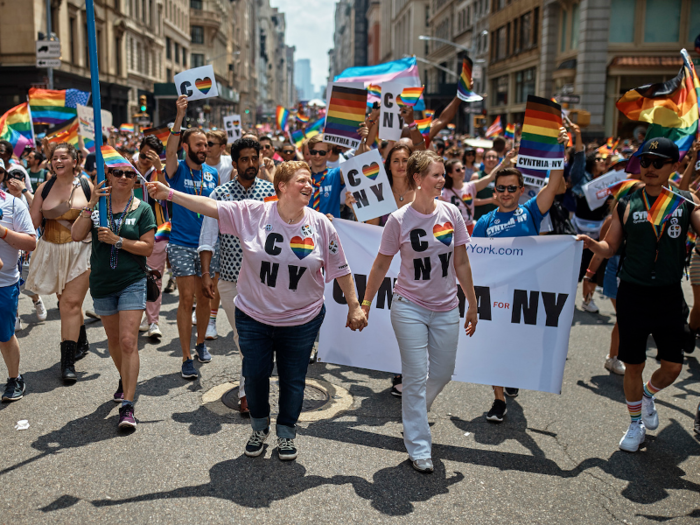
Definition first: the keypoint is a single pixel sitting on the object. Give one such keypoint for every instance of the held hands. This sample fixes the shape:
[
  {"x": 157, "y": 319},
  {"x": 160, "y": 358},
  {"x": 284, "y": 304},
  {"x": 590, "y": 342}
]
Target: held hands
[
  {"x": 470, "y": 321},
  {"x": 357, "y": 320},
  {"x": 158, "y": 190},
  {"x": 207, "y": 286}
]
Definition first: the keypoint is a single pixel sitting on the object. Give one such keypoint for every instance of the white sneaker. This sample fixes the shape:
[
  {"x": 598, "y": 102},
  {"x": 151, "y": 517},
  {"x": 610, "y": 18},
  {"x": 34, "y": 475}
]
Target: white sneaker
[
  {"x": 649, "y": 414},
  {"x": 211, "y": 330},
  {"x": 590, "y": 306},
  {"x": 194, "y": 317},
  {"x": 634, "y": 437},
  {"x": 40, "y": 310},
  {"x": 18, "y": 324},
  {"x": 154, "y": 331},
  {"x": 615, "y": 365},
  {"x": 143, "y": 327}
]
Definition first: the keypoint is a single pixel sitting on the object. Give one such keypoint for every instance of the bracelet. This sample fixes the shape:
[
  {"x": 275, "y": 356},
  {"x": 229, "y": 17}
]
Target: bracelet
[
  {"x": 589, "y": 271},
  {"x": 5, "y": 234},
  {"x": 170, "y": 195},
  {"x": 412, "y": 126},
  {"x": 366, "y": 303},
  {"x": 206, "y": 273},
  {"x": 172, "y": 132}
]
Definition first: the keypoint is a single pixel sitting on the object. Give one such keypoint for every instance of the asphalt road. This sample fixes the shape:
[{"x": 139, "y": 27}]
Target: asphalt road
[{"x": 554, "y": 460}]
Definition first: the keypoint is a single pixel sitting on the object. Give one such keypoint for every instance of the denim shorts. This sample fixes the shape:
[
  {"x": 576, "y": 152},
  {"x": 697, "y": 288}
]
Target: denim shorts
[
  {"x": 185, "y": 261},
  {"x": 610, "y": 280},
  {"x": 133, "y": 297},
  {"x": 9, "y": 297}
]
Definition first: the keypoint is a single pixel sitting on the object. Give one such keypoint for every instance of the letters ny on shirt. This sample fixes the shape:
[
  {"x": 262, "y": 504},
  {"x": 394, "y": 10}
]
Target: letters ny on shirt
[{"x": 519, "y": 216}]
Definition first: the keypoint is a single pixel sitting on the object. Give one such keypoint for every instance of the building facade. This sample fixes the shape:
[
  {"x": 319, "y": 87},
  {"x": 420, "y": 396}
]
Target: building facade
[{"x": 302, "y": 78}]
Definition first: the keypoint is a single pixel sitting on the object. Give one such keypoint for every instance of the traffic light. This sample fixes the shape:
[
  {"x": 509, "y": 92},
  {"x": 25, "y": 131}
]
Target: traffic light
[
  {"x": 142, "y": 103},
  {"x": 247, "y": 111}
]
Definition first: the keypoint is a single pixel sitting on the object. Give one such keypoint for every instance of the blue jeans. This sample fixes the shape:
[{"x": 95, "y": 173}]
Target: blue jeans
[{"x": 292, "y": 345}]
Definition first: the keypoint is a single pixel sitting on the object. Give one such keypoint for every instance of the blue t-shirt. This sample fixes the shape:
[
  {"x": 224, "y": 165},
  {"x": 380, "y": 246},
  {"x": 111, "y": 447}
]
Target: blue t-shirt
[
  {"x": 186, "y": 224},
  {"x": 523, "y": 221},
  {"x": 330, "y": 192}
]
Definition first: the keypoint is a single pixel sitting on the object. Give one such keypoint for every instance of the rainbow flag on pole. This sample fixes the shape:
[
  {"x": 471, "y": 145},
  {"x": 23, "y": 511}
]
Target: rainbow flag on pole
[
  {"x": 16, "y": 127},
  {"x": 297, "y": 137},
  {"x": 622, "y": 188},
  {"x": 55, "y": 107},
  {"x": 314, "y": 129},
  {"x": 495, "y": 129},
  {"x": 424, "y": 125},
  {"x": 510, "y": 131},
  {"x": 374, "y": 90},
  {"x": 127, "y": 128},
  {"x": 666, "y": 203},
  {"x": 69, "y": 133},
  {"x": 465, "y": 83},
  {"x": 281, "y": 117},
  {"x": 162, "y": 133},
  {"x": 410, "y": 96},
  {"x": 113, "y": 159}
]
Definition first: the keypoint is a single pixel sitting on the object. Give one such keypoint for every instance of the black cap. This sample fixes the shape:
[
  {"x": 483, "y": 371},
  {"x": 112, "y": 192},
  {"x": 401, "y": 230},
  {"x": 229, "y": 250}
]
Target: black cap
[{"x": 660, "y": 147}]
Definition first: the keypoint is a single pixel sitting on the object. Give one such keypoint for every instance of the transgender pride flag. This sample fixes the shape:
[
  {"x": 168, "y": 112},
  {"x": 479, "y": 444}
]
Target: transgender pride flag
[{"x": 404, "y": 71}]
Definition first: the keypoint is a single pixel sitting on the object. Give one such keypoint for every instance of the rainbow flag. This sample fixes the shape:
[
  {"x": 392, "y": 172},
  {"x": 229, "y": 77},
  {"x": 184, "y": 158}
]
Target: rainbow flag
[
  {"x": 429, "y": 113},
  {"x": 16, "y": 127},
  {"x": 162, "y": 133},
  {"x": 281, "y": 117},
  {"x": 538, "y": 141},
  {"x": 623, "y": 188},
  {"x": 374, "y": 90},
  {"x": 465, "y": 83},
  {"x": 69, "y": 134},
  {"x": 346, "y": 111},
  {"x": 55, "y": 107},
  {"x": 300, "y": 117},
  {"x": 692, "y": 238},
  {"x": 113, "y": 159},
  {"x": 314, "y": 129},
  {"x": 451, "y": 126},
  {"x": 410, "y": 96},
  {"x": 163, "y": 232},
  {"x": 297, "y": 137},
  {"x": 666, "y": 203},
  {"x": 495, "y": 129},
  {"x": 424, "y": 125},
  {"x": 127, "y": 128},
  {"x": 675, "y": 177},
  {"x": 510, "y": 131}
]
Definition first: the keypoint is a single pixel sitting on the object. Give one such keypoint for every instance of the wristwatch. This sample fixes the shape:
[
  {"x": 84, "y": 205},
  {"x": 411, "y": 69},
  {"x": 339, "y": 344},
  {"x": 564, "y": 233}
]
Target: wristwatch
[
  {"x": 119, "y": 243},
  {"x": 25, "y": 190}
]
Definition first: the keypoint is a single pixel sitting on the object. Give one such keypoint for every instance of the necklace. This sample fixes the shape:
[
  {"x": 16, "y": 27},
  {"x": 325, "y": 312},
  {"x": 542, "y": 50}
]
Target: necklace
[
  {"x": 316, "y": 202},
  {"x": 194, "y": 185},
  {"x": 115, "y": 225},
  {"x": 290, "y": 221},
  {"x": 400, "y": 196}
]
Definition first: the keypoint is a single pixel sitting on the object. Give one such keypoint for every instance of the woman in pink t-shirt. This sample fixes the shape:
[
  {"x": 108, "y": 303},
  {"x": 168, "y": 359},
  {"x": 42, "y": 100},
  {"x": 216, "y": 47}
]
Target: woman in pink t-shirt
[
  {"x": 431, "y": 236},
  {"x": 289, "y": 252}
]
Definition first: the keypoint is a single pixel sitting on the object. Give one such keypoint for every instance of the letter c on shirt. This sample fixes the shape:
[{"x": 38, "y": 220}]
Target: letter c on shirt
[
  {"x": 270, "y": 247},
  {"x": 416, "y": 243}
]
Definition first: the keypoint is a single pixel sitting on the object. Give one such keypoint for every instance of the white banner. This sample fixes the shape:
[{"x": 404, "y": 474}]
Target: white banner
[
  {"x": 232, "y": 124},
  {"x": 525, "y": 286},
  {"x": 596, "y": 191},
  {"x": 197, "y": 83},
  {"x": 368, "y": 182},
  {"x": 390, "y": 122}
]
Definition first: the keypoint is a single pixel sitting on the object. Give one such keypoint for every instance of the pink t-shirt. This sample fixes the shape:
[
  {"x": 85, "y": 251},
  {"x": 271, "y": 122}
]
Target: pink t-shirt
[
  {"x": 463, "y": 199},
  {"x": 281, "y": 281},
  {"x": 427, "y": 242}
]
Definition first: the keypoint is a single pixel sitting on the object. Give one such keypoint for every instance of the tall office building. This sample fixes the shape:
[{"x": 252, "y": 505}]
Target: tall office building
[{"x": 302, "y": 78}]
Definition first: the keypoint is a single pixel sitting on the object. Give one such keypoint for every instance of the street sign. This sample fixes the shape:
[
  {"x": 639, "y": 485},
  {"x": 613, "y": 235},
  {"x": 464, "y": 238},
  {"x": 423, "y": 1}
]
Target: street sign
[
  {"x": 46, "y": 49},
  {"x": 50, "y": 62},
  {"x": 569, "y": 99}
]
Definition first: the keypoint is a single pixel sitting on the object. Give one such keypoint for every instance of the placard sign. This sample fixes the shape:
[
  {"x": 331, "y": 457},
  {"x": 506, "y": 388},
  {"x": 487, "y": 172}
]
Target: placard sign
[
  {"x": 390, "y": 121},
  {"x": 86, "y": 122},
  {"x": 232, "y": 125},
  {"x": 197, "y": 83},
  {"x": 369, "y": 184},
  {"x": 597, "y": 191}
]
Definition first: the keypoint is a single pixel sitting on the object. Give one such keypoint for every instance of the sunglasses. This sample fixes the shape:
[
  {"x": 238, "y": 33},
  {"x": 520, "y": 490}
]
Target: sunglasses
[
  {"x": 645, "y": 162},
  {"x": 491, "y": 158},
  {"x": 212, "y": 144},
  {"x": 458, "y": 169},
  {"x": 470, "y": 154},
  {"x": 288, "y": 152},
  {"x": 511, "y": 189},
  {"x": 267, "y": 146},
  {"x": 123, "y": 173},
  {"x": 318, "y": 152}
]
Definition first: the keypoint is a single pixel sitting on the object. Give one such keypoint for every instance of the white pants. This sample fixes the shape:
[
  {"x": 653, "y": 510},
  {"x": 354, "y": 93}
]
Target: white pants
[
  {"x": 428, "y": 344},
  {"x": 228, "y": 292}
]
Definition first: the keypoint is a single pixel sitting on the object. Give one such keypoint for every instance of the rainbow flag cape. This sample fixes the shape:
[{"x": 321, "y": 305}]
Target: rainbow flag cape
[
  {"x": 424, "y": 125},
  {"x": 69, "y": 134},
  {"x": 666, "y": 203},
  {"x": 16, "y": 127},
  {"x": 374, "y": 90},
  {"x": 55, "y": 106},
  {"x": 163, "y": 232},
  {"x": 538, "y": 141},
  {"x": 429, "y": 113},
  {"x": 410, "y": 96},
  {"x": 281, "y": 117},
  {"x": 346, "y": 111},
  {"x": 510, "y": 131},
  {"x": 465, "y": 83},
  {"x": 622, "y": 188},
  {"x": 113, "y": 159},
  {"x": 495, "y": 129},
  {"x": 128, "y": 128}
]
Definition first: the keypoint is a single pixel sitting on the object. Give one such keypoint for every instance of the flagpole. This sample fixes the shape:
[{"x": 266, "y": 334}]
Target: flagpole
[{"x": 96, "y": 102}]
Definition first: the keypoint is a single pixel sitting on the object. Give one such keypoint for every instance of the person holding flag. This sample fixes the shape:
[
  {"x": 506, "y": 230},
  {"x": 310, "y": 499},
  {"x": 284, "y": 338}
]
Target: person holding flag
[{"x": 653, "y": 222}]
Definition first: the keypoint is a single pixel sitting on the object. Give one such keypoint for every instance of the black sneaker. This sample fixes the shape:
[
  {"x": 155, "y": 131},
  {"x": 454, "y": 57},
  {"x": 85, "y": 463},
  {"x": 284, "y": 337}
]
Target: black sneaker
[
  {"x": 498, "y": 410},
  {"x": 697, "y": 420},
  {"x": 397, "y": 385},
  {"x": 512, "y": 392},
  {"x": 255, "y": 444},
  {"x": 14, "y": 390},
  {"x": 286, "y": 450}
]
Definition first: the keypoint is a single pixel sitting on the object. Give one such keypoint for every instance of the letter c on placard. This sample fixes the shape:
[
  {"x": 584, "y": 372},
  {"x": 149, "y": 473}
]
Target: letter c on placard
[
  {"x": 185, "y": 88},
  {"x": 388, "y": 100},
  {"x": 353, "y": 180},
  {"x": 229, "y": 124}
]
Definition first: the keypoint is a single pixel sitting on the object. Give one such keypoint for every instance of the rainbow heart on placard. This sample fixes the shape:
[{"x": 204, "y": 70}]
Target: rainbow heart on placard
[
  {"x": 236, "y": 122},
  {"x": 371, "y": 171},
  {"x": 443, "y": 233},
  {"x": 301, "y": 247},
  {"x": 204, "y": 85}
]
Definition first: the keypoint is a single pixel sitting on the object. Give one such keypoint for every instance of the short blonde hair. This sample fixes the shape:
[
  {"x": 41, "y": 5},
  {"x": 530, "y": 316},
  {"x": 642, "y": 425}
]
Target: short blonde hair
[
  {"x": 218, "y": 134},
  {"x": 420, "y": 161},
  {"x": 286, "y": 170},
  {"x": 316, "y": 139}
]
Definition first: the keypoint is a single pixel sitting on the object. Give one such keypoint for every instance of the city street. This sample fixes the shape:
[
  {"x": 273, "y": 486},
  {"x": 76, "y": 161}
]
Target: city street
[{"x": 554, "y": 459}]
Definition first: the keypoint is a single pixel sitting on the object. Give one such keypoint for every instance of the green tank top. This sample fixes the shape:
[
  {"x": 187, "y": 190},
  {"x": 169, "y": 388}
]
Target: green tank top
[{"x": 638, "y": 264}]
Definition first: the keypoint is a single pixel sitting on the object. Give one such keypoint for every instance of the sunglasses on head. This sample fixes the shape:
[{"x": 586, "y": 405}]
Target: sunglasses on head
[
  {"x": 123, "y": 173},
  {"x": 645, "y": 162},
  {"x": 511, "y": 189},
  {"x": 212, "y": 144},
  {"x": 318, "y": 152}
]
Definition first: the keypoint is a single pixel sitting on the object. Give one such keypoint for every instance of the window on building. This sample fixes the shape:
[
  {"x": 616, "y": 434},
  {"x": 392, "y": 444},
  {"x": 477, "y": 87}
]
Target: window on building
[
  {"x": 622, "y": 11},
  {"x": 184, "y": 57},
  {"x": 575, "y": 16},
  {"x": 87, "y": 51},
  {"x": 197, "y": 59},
  {"x": 144, "y": 14},
  {"x": 524, "y": 84},
  {"x": 100, "y": 55},
  {"x": 516, "y": 40},
  {"x": 197, "y": 33},
  {"x": 139, "y": 58},
  {"x": 535, "y": 26},
  {"x": 132, "y": 54},
  {"x": 564, "y": 22},
  {"x": 661, "y": 21},
  {"x": 169, "y": 74},
  {"x": 501, "y": 43},
  {"x": 196, "y": 4},
  {"x": 73, "y": 28},
  {"x": 168, "y": 51},
  {"x": 118, "y": 55},
  {"x": 508, "y": 40},
  {"x": 500, "y": 90},
  {"x": 525, "y": 30},
  {"x": 177, "y": 52}
]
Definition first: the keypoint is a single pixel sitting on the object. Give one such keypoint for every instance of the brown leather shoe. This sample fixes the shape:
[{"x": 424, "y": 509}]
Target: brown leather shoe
[{"x": 243, "y": 407}]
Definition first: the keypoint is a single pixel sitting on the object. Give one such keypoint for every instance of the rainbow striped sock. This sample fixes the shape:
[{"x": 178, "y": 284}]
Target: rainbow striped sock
[
  {"x": 635, "y": 410},
  {"x": 649, "y": 389},
  {"x": 212, "y": 314}
]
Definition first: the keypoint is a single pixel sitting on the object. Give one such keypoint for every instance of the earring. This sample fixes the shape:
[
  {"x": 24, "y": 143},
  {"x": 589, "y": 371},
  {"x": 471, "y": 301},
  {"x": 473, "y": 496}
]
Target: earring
[{"x": 418, "y": 187}]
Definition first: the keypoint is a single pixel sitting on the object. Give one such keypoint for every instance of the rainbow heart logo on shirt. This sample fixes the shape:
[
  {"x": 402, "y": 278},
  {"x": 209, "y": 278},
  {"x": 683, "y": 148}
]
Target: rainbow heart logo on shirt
[
  {"x": 467, "y": 199},
  {"x": 301, "y": 247},
  {"x": 443, "y": 233},
  {"x": 371, "y": 171},
  {"x": 204, "y": 85}
]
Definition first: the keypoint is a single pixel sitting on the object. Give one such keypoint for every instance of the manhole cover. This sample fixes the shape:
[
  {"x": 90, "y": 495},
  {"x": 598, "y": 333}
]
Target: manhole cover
[{"x": 314, "y": 398}]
